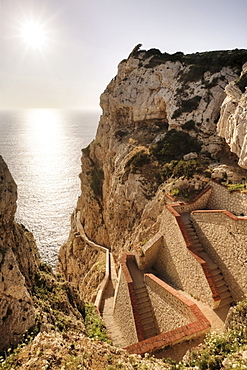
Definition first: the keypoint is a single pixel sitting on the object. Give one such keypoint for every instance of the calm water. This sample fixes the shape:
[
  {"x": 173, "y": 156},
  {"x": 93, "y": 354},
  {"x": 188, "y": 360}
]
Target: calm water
[{"x": 42, "y": 149}]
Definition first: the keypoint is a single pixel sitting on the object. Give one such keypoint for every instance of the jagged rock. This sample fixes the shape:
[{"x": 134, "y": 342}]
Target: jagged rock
[
  {"x": 16, "y": 306},
  {"x": 233, "y": 91},
  {"x": 232, "y": 125},
  {"x": 189, "y": 156}
]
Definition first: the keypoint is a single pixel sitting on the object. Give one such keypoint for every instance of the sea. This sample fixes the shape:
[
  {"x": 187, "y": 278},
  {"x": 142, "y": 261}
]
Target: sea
[{"x": 42, "y": 148}]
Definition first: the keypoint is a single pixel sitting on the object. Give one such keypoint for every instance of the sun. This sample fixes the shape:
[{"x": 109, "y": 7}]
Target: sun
[{"x": 33, "y": 34}]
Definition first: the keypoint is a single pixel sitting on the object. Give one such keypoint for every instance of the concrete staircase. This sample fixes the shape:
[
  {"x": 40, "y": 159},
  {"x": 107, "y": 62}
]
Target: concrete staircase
[
  {"x": 145, "y": 309},
  {"x": 199, "y": 250},
  {"x": 146, "y": 312}
]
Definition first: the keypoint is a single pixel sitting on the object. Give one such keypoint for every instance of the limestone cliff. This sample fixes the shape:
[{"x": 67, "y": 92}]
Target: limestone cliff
[
  {"x": 157, "y": 104},
  {"x": 30, "y": 294},
  {"x": 232, "y": 125},
  {"x": 16, "y": 269}
]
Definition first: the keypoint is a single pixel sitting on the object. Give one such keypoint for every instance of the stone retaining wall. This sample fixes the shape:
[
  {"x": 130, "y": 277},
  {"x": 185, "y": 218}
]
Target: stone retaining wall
[
  {"x": 200, "y": 202},
  {"x": 169, "y": 307},
  {"x": 197, "y": 326},
  {"x": 178, "y": 265},
  {"x": 224, "y": 237},
  {"x": 222, "y": 198},
  {"x": 146, "y": 257}
]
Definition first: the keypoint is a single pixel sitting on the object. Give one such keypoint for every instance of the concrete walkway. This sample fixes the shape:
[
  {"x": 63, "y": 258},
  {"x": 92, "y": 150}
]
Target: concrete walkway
[{"x": 216, "y": 317}]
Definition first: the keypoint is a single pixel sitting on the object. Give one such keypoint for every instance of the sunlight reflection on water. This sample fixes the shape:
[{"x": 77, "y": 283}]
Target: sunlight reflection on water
[{"x": 42, "y": 149}]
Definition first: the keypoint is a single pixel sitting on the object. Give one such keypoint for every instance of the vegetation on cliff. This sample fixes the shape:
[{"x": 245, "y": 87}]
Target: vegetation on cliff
[
  {"x": 163, "y": 160},
  {"x": 212, "y": 61},
  {"x": 71, "y": 350}
]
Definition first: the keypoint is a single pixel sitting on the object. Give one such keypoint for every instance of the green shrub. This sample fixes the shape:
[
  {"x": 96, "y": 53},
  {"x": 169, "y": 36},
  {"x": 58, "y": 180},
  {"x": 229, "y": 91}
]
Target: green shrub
[
  {"x": 94, "y": 324},
  {"x": 97, "y": 177},
  {"x": 167, "y": 170},
  {"x": 187, "y": 168},
  {"x": 181, "y": 168},
  {"x": 236, "y": 187},
  {"x": 189, "y": 125},
  {"x": 212, "y": 62},
  {"x": 174, "y": 145},
  {"x": 138, "y": 160},
  {"x": 177, "y": 113},
  {"x": 190, "y": 104},
  {"x": 186, "y": 106}
]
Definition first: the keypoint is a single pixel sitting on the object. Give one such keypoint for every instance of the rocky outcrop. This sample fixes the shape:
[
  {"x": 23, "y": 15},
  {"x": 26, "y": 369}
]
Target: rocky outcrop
[
  {"x": 31, "y": 296},
  {"x": 18, "y": 265},
  {"x": 122, "y": 191},
  {"x": 232, "y": 125}
]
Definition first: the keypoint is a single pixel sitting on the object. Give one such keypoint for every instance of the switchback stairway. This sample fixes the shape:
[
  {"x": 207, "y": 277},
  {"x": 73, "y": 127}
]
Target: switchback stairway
[
  {"x": 199, "y": 250},
  {"x": 145, "y": 310}
]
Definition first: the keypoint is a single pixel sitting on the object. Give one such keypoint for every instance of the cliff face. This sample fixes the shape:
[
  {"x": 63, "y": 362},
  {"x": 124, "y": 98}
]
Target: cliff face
[
  {"x": 18, "y": 264},
  {"x": 232, "y": 125},
  {"x": 152, "y": 94},
  {"x": 30, "y": 294}
]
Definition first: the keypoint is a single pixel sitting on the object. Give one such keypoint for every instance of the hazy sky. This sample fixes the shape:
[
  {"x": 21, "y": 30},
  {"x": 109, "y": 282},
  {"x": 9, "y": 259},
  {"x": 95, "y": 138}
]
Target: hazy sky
[{"x": 86, "y": 39}]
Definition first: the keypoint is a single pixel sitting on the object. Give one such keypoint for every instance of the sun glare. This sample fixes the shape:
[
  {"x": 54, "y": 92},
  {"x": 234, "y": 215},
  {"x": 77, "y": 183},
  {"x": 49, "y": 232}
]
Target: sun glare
[{"x": 34, "y": 35}]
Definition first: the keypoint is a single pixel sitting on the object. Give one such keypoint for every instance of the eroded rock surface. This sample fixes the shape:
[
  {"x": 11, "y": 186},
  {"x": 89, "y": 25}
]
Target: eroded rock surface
[
  {"x": 18, "y": 264},
  {"x": 232, "y": 125}
]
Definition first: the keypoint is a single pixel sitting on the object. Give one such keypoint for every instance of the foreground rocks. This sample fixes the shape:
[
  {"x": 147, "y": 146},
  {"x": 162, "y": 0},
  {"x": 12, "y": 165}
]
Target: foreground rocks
[{"x": 58, "y": 351}]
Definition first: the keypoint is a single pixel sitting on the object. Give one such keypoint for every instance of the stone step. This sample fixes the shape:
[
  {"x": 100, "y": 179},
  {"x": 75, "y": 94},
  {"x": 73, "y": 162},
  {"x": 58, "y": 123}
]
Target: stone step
[
  {"x": 225, "y": 294},
  {"x": 191, "y": 231},
  {"x": 198, "y": 249},
  {"x": 148, "y": 313},
  {"x": 197, "y": 245},
  {"x": 222, "y": 288},
  {"x": 140, "y": 290},
  {"x": 147, "y": 322},
  {"x": 140, "y": 287},
  {"x": 187, "y": 222},
  {"x": 150, "y": 328},
  {"x": 226, "y": 301},
  {"x": 150, "y": 333},
  {"x": 144, "y": 309},
  {"x": 141, "y": 296},
  {"x": 215, "y": 272},
  {"x": 143, "y": 302},
  {"x": 220, "y": 283},
  {"x": 197, "y": 242},
  {"x": 210, "y": 263},
  {"x": 215, "y": 267},
  {"x": 218, "y": 278},
  {"x": 189, "y": 226},
  {"x": 194, "y": 237}
]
